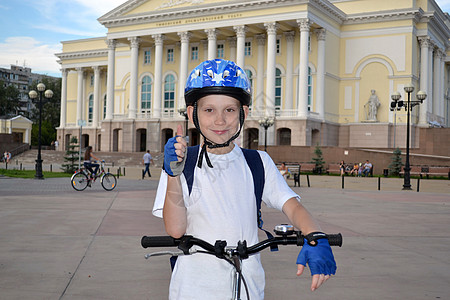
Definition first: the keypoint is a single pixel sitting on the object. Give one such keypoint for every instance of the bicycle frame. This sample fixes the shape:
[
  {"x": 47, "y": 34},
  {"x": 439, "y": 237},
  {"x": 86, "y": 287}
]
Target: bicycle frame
[{"x": 232, "y": 254}]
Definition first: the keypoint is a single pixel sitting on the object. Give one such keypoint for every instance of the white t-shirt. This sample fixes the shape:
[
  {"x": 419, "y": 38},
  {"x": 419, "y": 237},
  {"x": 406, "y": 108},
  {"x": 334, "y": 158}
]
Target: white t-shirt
[
  {"x": 222, "y": 206},
  {"x": 147, "y": 158}
]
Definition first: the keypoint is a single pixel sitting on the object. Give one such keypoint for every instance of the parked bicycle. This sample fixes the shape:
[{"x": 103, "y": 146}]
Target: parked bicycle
[
  {"x": 83, "y": 178},
  {"x": 286, "y": 235}
]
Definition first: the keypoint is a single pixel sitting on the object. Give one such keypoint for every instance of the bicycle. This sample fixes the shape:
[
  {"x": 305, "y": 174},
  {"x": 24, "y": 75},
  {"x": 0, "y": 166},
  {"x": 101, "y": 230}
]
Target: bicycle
[
  {"x": 286, "y": 235},
  {"x": 83, "y": 178}
]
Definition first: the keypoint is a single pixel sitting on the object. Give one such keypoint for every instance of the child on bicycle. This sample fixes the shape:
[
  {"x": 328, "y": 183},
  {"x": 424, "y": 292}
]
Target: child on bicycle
[
  {"x": 221, "y": 203},
  {"x": 90, "y": 161}
]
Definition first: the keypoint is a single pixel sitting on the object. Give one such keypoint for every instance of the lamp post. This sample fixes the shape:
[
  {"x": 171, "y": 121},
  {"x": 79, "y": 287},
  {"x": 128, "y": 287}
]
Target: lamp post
[
  {"x": 182, "y": 111},
  {"x": 266, "y": 122},
  {"x": 397, "y": 103},
  {"x": 33, "y": 95}
]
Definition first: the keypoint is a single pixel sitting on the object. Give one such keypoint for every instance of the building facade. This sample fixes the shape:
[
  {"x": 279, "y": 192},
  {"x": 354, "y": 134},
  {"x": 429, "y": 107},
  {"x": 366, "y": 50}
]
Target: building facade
[{"x": 324, "y": 70}]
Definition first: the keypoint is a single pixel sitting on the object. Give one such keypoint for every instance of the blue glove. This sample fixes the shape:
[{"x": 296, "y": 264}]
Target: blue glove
[
  {"x": 172, "y": 166},
  {"x": 319, "y": 257}
]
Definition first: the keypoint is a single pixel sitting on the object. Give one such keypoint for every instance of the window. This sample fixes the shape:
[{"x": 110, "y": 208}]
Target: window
[
  {"x": 104, "y": 107},
  {"x": 284, "y": 136},
  {"x": 220, "y": 51},
  {"x": 170, "y": 55},
  {"x": 278, "y": 46},
  {"x": 169, "y": 91},
  {"x": 146, "y": 93},
  {"x": 92, "y": 80},
  {"x": 194, "y": 53},
  {"x": 248, "y": 48},
  {"x": 309, "y": 88},
  {"x": 91, "y": 108},
  {"x": 147, "y": 57},
  {"x": 277, "y": 89}
]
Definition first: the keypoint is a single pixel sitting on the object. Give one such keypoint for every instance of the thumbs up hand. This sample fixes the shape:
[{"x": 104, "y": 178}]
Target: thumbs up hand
[{"x": 175, "y": 154}]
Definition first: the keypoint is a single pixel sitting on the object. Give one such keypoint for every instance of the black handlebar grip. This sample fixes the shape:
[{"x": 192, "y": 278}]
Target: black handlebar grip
[
  {"x": 159, "y": 241},
  {"x": 335, "y": 239}
]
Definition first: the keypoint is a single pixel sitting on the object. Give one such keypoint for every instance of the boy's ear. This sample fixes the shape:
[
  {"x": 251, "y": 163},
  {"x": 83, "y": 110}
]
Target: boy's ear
[
  {"x": 246, "y": 110},
  {"x": 190, "y": 113}
]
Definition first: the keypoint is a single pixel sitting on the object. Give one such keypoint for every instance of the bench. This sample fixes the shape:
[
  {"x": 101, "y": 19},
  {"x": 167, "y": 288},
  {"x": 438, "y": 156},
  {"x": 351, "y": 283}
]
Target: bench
[
  {"x": 294, "y": 170},
  {"x": 427, "y": 171},
  {"x": 336, "y": 169}
]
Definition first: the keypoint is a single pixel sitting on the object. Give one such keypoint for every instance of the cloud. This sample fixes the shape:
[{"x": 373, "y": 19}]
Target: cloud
[
  {"x": 100, "y": 7},
  {"x": 30, "y": 52}
]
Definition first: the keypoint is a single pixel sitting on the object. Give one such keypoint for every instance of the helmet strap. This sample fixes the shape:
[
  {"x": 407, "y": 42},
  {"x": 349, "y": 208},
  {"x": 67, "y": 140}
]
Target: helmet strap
[{"x": 212, "y": 145}]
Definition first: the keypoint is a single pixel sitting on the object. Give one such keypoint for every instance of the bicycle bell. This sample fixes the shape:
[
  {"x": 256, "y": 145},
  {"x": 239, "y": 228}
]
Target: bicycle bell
[{"x": 284, "y": 229}]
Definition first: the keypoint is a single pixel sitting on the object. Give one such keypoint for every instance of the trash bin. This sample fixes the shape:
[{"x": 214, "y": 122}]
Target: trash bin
[{"x": 385, "y": 172}]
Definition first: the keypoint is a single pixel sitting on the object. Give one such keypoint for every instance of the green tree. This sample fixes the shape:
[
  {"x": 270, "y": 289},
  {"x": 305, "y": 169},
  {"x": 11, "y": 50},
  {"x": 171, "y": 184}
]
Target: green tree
[
  {"x": 50, "y": 111},
  {"x": 318, "y": 160},
  {"x": 71, "y": 156},
  {"x": 396, "y": 164},
  {"x": 9, "y": 99}
]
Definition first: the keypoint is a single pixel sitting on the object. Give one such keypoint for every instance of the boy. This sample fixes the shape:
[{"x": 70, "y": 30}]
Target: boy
[{"x": 221, "y": 204}]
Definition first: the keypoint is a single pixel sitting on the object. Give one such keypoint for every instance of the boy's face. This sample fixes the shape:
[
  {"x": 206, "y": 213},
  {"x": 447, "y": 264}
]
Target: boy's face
[{"x": 218, "y": 117}]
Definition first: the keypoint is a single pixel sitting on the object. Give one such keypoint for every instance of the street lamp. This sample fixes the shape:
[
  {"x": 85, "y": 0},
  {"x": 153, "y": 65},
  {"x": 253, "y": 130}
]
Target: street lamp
[
  {"x": 33, "y": 95},
  {"x": 182, "y": 111},
  {"x": 266, "y": 122},
  {"x": 397, "y": 103}
]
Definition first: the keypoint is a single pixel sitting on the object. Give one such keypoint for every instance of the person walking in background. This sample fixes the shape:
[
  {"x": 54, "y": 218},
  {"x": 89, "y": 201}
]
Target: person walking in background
[{"x": 146, "y": 160}]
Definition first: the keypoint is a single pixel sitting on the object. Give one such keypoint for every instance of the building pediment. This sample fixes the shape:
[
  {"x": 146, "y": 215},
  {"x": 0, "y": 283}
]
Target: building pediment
[{"x": 139, "y": 11}]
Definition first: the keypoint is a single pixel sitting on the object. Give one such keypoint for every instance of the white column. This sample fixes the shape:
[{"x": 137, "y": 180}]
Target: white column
[
  {"x": 320, "y": 91},
  {"x": 436, "y": 81},
  {"x": 110, "y": 75},
  {"x": 240, "y": 51},
  {"x": 289, "y": 102},
  {"x": 430, "y": 77},
  {"x": 232, "y": 48},
  {"x": 424, "y": 44},
  {"x": 271, "y": 29},
  {"x": 157, "y": 98},
  {"x": 259, "y": 98},
  {"x": 132, "y": 106},
  {"x": 183, "y": 66},
  {"x": 212, "y": 43},
  {"x": 62, "y": 120},
  {"x": 442, "y": 85},
  {"x": 303, "y": 69},
  {"x": 95, "y": 111},
  {"x": 80, "y": 95}
]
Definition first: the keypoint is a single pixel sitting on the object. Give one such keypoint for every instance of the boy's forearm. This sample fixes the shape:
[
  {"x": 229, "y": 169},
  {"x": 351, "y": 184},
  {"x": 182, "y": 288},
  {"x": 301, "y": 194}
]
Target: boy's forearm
[
  {"x": 174, "y": 211},
  {"x": 300, "y": 217}
]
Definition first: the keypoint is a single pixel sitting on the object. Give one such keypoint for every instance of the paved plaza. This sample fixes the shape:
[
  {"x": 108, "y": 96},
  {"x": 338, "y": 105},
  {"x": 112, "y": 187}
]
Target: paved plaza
[{"x": 56, "y": 243}]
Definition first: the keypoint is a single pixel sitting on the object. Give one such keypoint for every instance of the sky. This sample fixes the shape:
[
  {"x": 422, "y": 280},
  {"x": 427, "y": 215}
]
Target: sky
[{"x": 31, "y": 31}]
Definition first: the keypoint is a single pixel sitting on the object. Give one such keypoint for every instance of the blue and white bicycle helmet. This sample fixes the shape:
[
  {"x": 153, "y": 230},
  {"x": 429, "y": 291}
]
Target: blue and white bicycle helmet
[{"x": 217, "y": 77}]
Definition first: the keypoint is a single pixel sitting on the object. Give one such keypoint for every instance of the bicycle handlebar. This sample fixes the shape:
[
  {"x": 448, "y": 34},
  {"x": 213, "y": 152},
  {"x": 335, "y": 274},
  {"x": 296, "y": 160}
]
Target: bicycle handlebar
[{"x": 186, "y": 242}]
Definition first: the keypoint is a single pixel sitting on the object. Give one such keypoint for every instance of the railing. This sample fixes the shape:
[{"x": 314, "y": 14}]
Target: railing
[{"x": 18, "y": 150}]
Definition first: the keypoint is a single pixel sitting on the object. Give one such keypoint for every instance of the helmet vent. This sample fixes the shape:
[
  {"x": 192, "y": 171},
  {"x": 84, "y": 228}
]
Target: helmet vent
[
  {"x": 210, "y": 73},
  {"x": 226, "y": 73}
]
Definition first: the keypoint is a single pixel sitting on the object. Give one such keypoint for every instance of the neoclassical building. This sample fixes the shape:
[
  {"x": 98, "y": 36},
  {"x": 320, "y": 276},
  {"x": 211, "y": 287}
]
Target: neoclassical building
[{"x": 316, "y": 66}]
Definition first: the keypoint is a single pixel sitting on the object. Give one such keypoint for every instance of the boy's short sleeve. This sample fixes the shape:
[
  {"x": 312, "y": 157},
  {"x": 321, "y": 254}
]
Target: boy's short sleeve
[
  {"x": 160, "y": 195},
  {"x": 276, "y": 190}
]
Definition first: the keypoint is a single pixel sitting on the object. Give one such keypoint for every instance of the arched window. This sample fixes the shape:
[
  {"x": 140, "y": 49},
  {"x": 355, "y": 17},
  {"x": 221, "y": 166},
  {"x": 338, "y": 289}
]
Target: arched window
[
  {"x": 284, "y": 136},
  {"x": 146, "y": 93},
  {"x": 91, "y": 108},
  {"x": 169, "y": 91},
  {"x": 104, "y": 107},
  {"x": 277, "y": 89}
]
